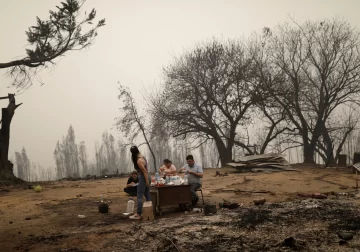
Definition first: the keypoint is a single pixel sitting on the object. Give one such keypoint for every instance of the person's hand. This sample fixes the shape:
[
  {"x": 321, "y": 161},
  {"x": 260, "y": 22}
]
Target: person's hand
[
  {"x": 190, "y": 172},
  {"x": 132, "y": 183},
  {"x": 147, "y": 184}
]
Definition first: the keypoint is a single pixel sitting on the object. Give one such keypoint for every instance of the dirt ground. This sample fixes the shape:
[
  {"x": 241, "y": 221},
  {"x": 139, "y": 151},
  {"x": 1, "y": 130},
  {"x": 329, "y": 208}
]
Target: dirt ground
[{"x": 48, "y": 221}]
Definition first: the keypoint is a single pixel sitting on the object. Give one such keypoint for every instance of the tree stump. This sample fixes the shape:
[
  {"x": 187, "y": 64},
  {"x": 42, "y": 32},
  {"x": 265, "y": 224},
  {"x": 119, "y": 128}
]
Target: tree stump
[
  {"x": 356, "y": 157},
  {"x": 148, "y": 211},
  {"x": 342, "y": 160}
]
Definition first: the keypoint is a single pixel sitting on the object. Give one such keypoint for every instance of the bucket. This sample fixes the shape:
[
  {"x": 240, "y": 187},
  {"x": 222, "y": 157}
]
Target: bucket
[
  {"x": 210, "y": 209},
  {"x": 103, "y": 208}
]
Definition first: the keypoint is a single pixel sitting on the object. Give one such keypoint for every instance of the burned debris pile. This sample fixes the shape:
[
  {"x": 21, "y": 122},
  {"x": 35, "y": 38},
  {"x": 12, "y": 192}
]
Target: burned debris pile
[
  {"x": 260, "y": 163},
  {"x": 304, "y": 225}
]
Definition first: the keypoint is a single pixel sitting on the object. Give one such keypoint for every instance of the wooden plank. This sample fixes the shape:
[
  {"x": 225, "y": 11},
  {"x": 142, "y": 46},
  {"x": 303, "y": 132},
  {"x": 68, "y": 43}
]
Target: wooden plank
[
  {"x": 229, "y": 190},
  {"x": 357, "y": 166},
  {"x": 236, "y": 164},
  {"x": 249, "y": 191},
  {"x": 259, "y": 157}
]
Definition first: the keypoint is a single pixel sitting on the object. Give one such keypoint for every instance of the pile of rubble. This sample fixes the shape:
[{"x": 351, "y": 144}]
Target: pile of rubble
[
  {"x": 266, "y": 162},
  {"x": 307, "y": 225},
  {"x": 328, "y": 224}
]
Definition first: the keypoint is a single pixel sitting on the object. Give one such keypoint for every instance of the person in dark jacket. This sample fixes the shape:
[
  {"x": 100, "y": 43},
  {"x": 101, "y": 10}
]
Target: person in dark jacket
[{"x": 131, "y": 185}]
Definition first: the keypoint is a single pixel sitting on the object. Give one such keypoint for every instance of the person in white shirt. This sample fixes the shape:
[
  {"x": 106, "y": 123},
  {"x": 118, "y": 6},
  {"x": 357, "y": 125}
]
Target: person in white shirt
[{"x": 195, "y": 173}]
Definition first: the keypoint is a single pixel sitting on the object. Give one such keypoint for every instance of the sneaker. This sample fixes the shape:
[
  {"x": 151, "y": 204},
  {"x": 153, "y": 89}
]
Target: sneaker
[{"x": 135, "y": 217}]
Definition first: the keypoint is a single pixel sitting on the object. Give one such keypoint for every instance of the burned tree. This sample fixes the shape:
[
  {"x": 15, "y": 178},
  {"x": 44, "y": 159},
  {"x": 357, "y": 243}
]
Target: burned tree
[
  {"x": 108, "y": 147},
  {"x": 274, "y": 120},
  {"x": 64, "y": 31},
  {"x": 131, "y": 123},
  {"x": 208, "y": 94},
  {"x": 106, "y": 155},
  {"x": 311, "y": 69},
  {"x": 83, "y": 157},
  {"x": 339, "y": 127},
  {"x": 6, "y": 167},
  {"x": 23, "y": 165},
  {"x": 67, "y": 156}
]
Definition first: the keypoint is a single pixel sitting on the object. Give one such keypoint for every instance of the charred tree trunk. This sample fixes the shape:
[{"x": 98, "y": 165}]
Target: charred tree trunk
[
  {"x": 225, "y": 154},
  {"x": 6, "y": 167},
  {"x": 309, "y": 151}
]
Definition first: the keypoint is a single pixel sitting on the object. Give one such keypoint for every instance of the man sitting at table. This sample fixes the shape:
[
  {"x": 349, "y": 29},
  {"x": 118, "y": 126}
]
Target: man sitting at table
[
  {"x": 195, "y": 173},
  {"x": 167, "y": 169},
  {"x": 131, "y": 186}
]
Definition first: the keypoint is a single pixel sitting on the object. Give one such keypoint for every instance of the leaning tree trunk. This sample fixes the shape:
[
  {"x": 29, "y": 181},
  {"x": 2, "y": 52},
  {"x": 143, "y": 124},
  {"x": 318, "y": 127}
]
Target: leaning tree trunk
[
  {"x": 6, "y": 167},
  {"x": 308, "y": 150},
  {"x": 329, "y": 153},
  {"x": 225, "y": 154}
]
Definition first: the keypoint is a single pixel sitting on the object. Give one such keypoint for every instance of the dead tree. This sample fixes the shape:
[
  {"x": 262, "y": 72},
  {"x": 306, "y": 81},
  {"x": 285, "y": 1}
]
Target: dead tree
[
  {"x": 311, "y": 70},
  {"x": 6, "y": 167},
  {"x": 208, "y": 94},
  {"x": 65, "y": 30},
  {"x": 131, "y": 123}
]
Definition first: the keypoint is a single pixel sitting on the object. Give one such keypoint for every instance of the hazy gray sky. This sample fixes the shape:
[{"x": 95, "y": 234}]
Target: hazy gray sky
[{"x": 140, "y": 37}]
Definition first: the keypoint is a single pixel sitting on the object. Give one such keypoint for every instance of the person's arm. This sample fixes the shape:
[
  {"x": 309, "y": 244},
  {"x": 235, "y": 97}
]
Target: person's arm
[
  {"x": 141, "y": 165},
  {"x": 170, "y": 171},
  {"x": 182, "y": 169},
  {"x": 199, "y": 172},
  {"x": 161, "y": 169},
  {"x": 129, "y": 183}
]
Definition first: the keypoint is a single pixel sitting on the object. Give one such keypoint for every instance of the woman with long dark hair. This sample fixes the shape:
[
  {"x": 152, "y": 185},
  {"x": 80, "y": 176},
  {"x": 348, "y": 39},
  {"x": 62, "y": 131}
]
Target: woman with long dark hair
[{"x": 140, "y": 165}]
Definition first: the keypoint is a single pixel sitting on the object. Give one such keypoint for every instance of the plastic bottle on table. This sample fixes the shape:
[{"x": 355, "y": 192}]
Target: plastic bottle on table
[
  {"x": 167, "y": 179},
  {"x": 186, "y": 179},
  {"x": 157, "y": 177},
  {"x": 130, "y": 206}
]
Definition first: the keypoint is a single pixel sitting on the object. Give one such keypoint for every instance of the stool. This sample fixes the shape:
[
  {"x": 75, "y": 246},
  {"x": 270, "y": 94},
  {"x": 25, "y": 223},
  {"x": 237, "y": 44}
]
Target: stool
[
  {"x": 202, "y": 196},
  {"x": 148, "y": 211}
]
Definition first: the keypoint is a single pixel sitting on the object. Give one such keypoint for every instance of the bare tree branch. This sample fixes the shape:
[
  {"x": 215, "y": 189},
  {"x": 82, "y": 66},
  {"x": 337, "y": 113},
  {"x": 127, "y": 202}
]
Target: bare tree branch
[
  {"x": 131, "y": 123},
  {"x": 52, "y": 38}
]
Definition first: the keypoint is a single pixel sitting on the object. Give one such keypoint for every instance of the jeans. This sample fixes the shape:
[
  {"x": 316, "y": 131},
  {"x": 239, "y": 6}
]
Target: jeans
[
  {"x": 142, "y": 190},
  {"x": 193, "y": 188}
]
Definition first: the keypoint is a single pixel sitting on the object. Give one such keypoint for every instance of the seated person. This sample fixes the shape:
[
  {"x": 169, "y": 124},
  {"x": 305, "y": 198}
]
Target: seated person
[
  {"x": 195, "y": 173},
  {"x": 131, "y": 186},
  {"x": 167, "y": 169}
]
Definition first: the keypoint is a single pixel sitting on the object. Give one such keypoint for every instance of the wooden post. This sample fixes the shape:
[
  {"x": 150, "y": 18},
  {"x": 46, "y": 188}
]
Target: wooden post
[{"x": 148, "y": 212}]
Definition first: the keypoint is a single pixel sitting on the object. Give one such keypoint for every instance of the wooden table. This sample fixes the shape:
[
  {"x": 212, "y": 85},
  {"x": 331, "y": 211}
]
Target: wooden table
[{"x": 170, "y": 195}]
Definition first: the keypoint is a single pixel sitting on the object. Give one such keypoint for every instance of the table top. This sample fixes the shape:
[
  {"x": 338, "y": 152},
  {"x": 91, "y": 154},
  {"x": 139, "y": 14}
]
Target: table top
[{"x": 168, "y": 186}]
